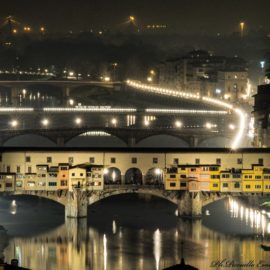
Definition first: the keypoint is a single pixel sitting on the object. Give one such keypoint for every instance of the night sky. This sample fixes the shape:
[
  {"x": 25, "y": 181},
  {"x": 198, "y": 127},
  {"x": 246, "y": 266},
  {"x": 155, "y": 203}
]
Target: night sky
[{"x": 197, "y": 16}]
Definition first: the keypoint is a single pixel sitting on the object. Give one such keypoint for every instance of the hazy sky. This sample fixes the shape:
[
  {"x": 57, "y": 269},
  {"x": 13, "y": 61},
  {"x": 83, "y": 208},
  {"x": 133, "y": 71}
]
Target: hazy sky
[{"x": 184, "y": 15}]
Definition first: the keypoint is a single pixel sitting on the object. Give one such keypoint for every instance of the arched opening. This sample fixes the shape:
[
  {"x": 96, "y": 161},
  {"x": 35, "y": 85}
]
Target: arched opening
[
  {"x": 29, "y": 140},
  {"x": 112, "y": 176},
  {"x": 166, "y": 141},
  {"x": 96, "y": 139},
  {"x": 133, "y": 176},
  {"x": 154, "y": 176}
]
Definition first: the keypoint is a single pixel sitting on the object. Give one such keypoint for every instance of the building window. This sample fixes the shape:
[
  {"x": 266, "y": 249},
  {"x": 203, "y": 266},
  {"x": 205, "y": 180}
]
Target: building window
[
  {"x": 239, "y": 161},
  {"x": 258, "y": 177},
  {"x": 27, "y": 159},
  {"x": 225, "y": 185},
  {"x": 197, "y": 161},
  {"x": 81, "y": 174},
  {"x": 113, "y": 160},
  {"x": 183, "y": 184},
  {"x": 70, "y": 160},
  {"x": 172, "y": 184},
  {"x": 29, "y": 169},
  {"x": 218, "y": 161},
  {"x": 155, "y": 160},
  {"x": 0, "y": 158},
  {"x": 258, "y": 186},
  {"x": 134, "y": 160},
  {"x": 237, "y": 185},
  {"x": 18, "y": 169},
  {"x": 215, "y": 185},
  {"x": 8, "y": 169},
  {"x": 92, "y": 160},
  {"x": 73, "y": 174},
  {"x": 63, "y": 183},
  {"x": 260, "y": 161},
  {"x": 247, "y": 186},
  {"x": 176, "y": 161},
  {"x": 49, "y": 159}
]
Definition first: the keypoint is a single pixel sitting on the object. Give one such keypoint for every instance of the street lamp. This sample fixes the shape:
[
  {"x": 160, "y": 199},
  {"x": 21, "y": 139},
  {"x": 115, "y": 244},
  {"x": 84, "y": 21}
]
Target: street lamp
[
  {"x": 78, "y": 121},
  {"x": 132, "y": 19},
  {"x": 178, "y": 124},
  {"x": 45, "y": 122},
  {"x": 242, "y": 27},
  {"x": 71, "y": 102},
  {"x": 14, "y": 123},
  {"x": 208, "y": 125},
  {"x": 114, "y": 121}
]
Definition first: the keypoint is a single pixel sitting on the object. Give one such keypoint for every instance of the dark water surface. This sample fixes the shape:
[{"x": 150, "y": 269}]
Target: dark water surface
[{"x": 131, "y": 232}]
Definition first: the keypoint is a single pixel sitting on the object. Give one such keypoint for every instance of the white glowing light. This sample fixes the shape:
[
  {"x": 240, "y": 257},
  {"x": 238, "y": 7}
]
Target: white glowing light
[
  {"x": 114, "y": 121},
  {"x": 107, "y": 79},
  {"x": 45, "y": 122},
  {"x": 78, "y": 121},
  {"x": 158, "y": 171},
  {"x": 71, "y": 102},
  {"x": 146, "y": 123},
  {"x": 14, "y": 123},
  {"x": 178, "y": 124},
  {"x": 106, "y": 171},
  {"x": 232, "y": 126}
]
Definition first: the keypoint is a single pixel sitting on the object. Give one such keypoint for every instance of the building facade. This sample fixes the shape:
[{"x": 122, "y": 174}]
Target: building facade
[{"x": 202, "y": 72}]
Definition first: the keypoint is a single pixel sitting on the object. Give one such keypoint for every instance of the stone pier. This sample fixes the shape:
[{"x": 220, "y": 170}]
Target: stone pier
[
  {"x": 190, "y": 205},
  {"x": 77, "y": 202}
]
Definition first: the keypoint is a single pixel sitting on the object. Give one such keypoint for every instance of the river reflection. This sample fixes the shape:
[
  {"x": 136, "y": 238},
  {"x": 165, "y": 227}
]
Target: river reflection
[{"x": 129, "y": 233}]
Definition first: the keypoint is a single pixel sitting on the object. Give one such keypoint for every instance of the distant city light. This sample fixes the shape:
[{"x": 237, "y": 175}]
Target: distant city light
[
  {"x": 232, "y": 126},
  {"x": 132, "y": 18},
  {"x": 107, "y": 79},
  {"x": 149, "y": 79},
  {"x": 218, "y": 91},
  {"x": 71, "y": 102},
  {"x": 262, "y": 64}
]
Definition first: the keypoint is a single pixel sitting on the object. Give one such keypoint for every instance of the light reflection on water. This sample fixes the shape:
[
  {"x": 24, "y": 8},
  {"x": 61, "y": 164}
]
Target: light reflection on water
[{"x": 132, "y": 240}]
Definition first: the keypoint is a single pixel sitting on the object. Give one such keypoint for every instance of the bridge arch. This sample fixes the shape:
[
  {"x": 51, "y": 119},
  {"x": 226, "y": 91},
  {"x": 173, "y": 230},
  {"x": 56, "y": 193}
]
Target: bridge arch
[
  {"x": 215, "y": 141},
  {"x": 56, "y": 196},
  {"x": 96, "y": 138},
  {"x": 163, "y": 140},
  {"x": 133, "y": 176},
  {"x": 171, "y": 197},
  {"x": 28, "y": 140}
]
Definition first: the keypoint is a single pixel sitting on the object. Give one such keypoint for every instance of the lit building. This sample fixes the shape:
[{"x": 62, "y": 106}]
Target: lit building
[
  {"x": 201, "y": 72},
  {"x": 232, "y": 85},
  {"x": 262, "y": 116}
]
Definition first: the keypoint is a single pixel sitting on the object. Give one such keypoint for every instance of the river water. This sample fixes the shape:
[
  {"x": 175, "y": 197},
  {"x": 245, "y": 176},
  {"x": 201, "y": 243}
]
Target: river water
[{"x": 132, "y": 232}]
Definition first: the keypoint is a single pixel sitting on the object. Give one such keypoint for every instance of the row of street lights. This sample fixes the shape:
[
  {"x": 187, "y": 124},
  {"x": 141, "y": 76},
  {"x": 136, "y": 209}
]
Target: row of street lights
[{"x": 78, "y": 121}]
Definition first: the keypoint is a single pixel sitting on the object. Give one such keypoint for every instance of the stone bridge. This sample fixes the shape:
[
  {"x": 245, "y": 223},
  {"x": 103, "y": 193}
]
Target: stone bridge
[
  {"x": 189, "y": 204},
  {"x": 129, "y": 135}
]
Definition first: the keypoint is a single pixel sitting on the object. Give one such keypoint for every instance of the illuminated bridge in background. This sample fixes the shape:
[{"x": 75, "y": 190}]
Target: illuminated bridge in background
[{"x": 187, "y": 116}]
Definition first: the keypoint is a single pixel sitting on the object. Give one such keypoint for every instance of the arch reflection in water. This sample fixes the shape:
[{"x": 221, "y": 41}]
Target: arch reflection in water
[{"x": 257, "y": 219}]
